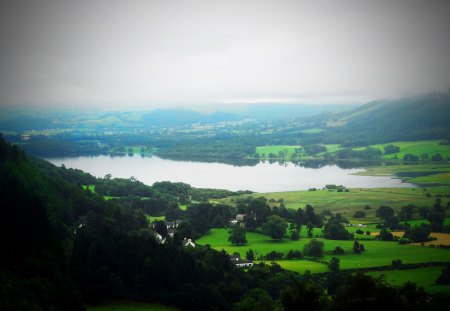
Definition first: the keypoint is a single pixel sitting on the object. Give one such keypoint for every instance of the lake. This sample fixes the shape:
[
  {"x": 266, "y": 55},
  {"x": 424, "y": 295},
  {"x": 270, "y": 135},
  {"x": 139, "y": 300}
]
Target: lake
[{"x": 263, "y": 177}]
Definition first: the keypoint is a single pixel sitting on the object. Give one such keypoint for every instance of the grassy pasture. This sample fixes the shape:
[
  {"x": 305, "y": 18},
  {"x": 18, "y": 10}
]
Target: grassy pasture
[
  {"x": 347, "y": 203},
  {"x": 289, "y": 150},
  {"x": 417, "y": 148},
  {"x": 151, "y": 219},
  {"x": 266, "y": 150},
  {"x": 424, "y": 277},
  {"x": 130, "y": 306},
  {"x": 92, "y": 188},
  {"x": 423, "y": 174},
  {"x": 377, "y": 254},
  {"x": 312, "y": 131}
]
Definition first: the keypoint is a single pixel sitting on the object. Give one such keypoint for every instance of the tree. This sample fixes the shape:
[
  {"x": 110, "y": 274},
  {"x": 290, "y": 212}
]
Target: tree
[
  {"x": 185, "y": 230},
  {"x": 385, "y": 235},
  {"x": 444, "y": 278},
  {"x": 314, "y": 248},
  {"x": 310, "y": 215},
  {"x": 300, "y": 218},
  {"x": 160, "y": 227},
  {"x": 250, "y": 222},
  {"x": 294, "y": 254},
  {"x": 384, "y": 212},
  {"x": 437, "y": 216},
  {"x": 237, "y": 236},
  {"x": 437, "y": 157},
  {"x": 254, "y": 299},
  {"x": 334, "y": 229},
  {"x": 295, "y": 235},
  {"x": 302, "y": 297},
  {"x": 417, "y": 233},
  {"x": 275, "y": 227},
  {"x": 393, "y": 223},
  {"x": 334, "y": 264},
  {"x": 389, "y": 149},
  {"x": 410, "y": 158},
  {"x": 407, "y": 212},
  {"x": 356, "y": 247},
  {"x": 359, "y": 214},
  {"x": 250, "y": 255},
  {"x": 310, "y": 227}
]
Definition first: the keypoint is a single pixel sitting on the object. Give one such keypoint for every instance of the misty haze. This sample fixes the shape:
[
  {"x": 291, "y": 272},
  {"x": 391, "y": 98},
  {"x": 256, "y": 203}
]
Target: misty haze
[{"x": 225, "y": 155}]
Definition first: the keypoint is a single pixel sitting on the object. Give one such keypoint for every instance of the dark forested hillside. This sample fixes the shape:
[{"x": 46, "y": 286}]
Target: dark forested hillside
[{"x": 411, "y": 118}]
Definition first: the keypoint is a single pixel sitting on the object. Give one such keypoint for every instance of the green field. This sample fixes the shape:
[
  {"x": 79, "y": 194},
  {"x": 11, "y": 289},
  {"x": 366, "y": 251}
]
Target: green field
[
  {"x": 92, "y": 188},
  {"x": 266, "y": 150},
  {"x": 417, "y": 148},
  {"x": 424, "y": 277},
  {"x": 312, "y": 131},
  {"x": 425, "y": 174},
  {"x": 347, "y": 203},
  {"x": 377, "y": 254},
  {"x": 151, "y": 219},
  {"x": 130, "y": 306}
]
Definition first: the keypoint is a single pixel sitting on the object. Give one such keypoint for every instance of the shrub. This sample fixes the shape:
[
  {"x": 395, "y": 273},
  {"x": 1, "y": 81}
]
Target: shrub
[
  {"x": 294, "y": 235},
  {"x": 404, "y": 241},
  {"x": 359, "y": 214},
  {"x": 385, "y": 235},
  {"x": 294, "y": 254},
  {"x": 314, "y": 248},
  {"x": 359, "y": 231},
  {"x": 338, "y": 250},
  {"x": 356, "y": 247},
  {"x": 274, "y": 255},
  {"x": 444, "y": 278},
  {"x": 396, "y": 263}
]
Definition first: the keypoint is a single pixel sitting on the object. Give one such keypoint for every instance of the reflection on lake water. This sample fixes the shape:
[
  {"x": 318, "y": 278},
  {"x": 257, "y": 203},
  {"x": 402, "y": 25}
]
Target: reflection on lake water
[{"x": 262, "y": 177}]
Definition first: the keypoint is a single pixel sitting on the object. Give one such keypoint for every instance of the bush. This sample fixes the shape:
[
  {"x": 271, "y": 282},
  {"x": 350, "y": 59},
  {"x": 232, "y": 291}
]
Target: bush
[
  {"x": 338, "y": 250},
  {"x": 444, "y": 278},
  {"x": 357, "y": 247},
  {"x": 396, "y": 263},
  {"x": 385, "y": 235},
  {"x": 359, "y": 214},
  {"x": 294, "y": 254},
  {"x": 273, "y": 255},
  {"x": 404, "y": 241},
  {"x": 359, "y": 231},
  {"x": 295, "y": 235},
  {"x": 313, "y": 248}
]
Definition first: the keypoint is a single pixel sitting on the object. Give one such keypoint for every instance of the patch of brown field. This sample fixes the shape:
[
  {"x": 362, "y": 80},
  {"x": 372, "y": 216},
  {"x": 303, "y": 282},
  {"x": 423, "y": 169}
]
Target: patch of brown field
[
  {"x": 394, "y": 233},
  {"x": 442, "y": 238}
]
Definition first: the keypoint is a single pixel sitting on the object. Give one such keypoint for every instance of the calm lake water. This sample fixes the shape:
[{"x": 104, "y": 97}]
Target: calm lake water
[{"x": 264, "y": 177}]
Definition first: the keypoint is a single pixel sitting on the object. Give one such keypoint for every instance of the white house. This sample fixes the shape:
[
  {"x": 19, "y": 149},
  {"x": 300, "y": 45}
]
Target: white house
[{"x": 188, "y": 242}]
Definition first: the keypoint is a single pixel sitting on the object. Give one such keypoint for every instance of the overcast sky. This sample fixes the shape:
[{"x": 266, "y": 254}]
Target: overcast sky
[{"x": 131, "y": 52}]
